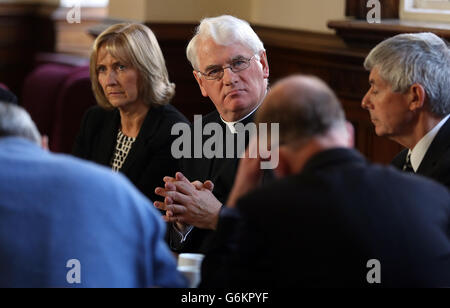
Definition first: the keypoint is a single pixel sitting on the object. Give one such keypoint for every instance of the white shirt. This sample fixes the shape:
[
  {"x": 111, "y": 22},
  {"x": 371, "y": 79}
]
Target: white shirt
[
  {"x": 231, "y": 124},
  {"x": 421, "y": 148}
]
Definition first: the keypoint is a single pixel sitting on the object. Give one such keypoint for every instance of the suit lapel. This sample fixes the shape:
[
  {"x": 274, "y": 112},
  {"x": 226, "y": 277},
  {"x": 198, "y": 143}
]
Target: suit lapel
[
  {"x": 225, "y": 169},
  {"x": 212, "y": 165},
  {"x": 140, "y": 148},
  {"x": 400, "y": 159},
  {"x": 437, "y": 148},
  {"x": 108, "y": 139}
]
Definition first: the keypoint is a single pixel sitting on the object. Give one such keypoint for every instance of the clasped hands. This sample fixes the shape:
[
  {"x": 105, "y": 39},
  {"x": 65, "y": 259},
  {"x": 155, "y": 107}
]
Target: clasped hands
[
  {"x": 188, "y": 203},
  {"x": 193, "y": 203}
]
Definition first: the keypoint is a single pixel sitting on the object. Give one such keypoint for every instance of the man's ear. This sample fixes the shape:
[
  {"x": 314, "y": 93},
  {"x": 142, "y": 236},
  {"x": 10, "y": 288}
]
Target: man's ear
[
  {"x": 284, "y": 168},
  {"x": 44, "y": 142},
  {"x": 416, "y": 95},
  {"x": 350, "y": 134},
  {"x": 200, "y": 83},
  {"x": 264, "y": 63}
]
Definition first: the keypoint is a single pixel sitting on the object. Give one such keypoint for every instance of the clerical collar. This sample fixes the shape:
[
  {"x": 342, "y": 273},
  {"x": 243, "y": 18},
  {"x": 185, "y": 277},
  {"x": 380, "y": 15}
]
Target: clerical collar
[
  {"x": 231, "y": 124},
  {"x": 421, "y": 148}
]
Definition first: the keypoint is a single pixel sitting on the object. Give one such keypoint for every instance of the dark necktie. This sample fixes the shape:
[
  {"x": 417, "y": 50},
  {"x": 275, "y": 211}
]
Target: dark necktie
[{"x": 407, "y": 167}]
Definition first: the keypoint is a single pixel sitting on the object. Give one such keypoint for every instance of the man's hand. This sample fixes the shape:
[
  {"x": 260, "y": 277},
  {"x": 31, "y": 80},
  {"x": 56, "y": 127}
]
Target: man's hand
[{"x": 189, "y": 203}]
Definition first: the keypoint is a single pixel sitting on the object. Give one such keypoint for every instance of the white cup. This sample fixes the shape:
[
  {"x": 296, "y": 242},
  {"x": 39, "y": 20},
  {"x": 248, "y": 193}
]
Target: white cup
[
  {"x": 190, "y": 264},
  {"x": 192, "y": 274},
  {"x": 190, "y": 259}
]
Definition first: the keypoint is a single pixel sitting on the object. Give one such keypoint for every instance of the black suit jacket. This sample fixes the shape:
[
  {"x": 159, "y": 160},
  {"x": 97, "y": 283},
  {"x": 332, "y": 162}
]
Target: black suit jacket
[
  {"x": 436, "y": 162},
  {"x": 221, "y": 171},
  {"x": 149, "y": 159},
  {"x": 320, "y": 228}
]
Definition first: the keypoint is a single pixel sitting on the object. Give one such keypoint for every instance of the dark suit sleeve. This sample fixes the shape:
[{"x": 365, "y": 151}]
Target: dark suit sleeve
[
  {"x": 156, "y": 160},
  {"x": 82, "y": 145},
  {"x": 233, "y": 256},
  {"x": 222, "y": 247},
  {"x": 158, "y": 164},
  {"x": 441, "y": 173},
  {"x": 399, "y": 160}
]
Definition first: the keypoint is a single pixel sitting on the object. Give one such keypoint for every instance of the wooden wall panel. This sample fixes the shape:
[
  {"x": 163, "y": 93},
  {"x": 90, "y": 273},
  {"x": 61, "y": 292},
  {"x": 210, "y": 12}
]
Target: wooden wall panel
[
  {"x": 289, "y": 52},
  {"x": 28, "y": 29},
  {"x": 74, "y": 38},
  {"x": 337, "y": 59},
  {"x": 173, "y": 39},
  {"x": 25, "y": 30},
  {"x": 359, "y": 9},
  {"x": 341, "y": 67}
]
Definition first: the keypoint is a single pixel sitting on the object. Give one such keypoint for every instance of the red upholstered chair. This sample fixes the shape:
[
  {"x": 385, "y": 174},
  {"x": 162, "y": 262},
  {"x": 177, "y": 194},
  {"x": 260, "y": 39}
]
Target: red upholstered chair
[
  {"x": 74, "y": 98},
  {"x": 40, "y": 93},
  {"x": 7, "y": 96}
]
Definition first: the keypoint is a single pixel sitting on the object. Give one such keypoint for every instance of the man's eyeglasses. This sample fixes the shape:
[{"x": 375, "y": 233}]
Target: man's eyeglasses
[{"x": 216, "y": 72}]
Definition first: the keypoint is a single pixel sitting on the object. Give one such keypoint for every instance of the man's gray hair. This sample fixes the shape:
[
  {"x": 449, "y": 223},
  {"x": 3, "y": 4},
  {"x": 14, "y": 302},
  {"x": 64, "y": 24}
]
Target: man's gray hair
[
  {"x": 224, "y": 30},
  {"x": 16, "y": 122},
  {"x": 421, "y": 58}
]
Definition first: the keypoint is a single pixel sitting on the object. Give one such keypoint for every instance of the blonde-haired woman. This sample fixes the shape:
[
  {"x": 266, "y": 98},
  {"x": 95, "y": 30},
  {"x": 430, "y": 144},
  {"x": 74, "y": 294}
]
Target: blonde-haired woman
[{"x": 130, "y": 129}]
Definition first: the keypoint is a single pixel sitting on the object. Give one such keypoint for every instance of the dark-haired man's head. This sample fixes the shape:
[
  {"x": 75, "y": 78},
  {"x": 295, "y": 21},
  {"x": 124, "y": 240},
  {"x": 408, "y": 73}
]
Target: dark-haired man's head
[{"x": 7, "y": 96}]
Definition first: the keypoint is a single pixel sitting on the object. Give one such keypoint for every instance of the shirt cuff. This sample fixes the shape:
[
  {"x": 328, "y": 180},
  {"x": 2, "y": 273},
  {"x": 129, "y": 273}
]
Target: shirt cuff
[{"x": 182, "y": 235}]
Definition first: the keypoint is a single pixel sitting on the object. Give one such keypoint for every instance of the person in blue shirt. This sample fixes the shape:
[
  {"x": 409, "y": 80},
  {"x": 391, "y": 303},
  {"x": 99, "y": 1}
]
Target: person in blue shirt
[{"x": 65, "y": 222}]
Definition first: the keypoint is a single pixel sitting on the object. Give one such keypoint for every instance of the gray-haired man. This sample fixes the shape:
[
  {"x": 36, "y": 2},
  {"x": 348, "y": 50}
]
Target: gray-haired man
[
  {"x": 231, "y": 68},
  {"x": 409, "y": 101}
]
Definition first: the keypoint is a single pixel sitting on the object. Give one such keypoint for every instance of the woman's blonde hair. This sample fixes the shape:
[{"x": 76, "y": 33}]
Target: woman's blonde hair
[{"x": 135, "y": 45}]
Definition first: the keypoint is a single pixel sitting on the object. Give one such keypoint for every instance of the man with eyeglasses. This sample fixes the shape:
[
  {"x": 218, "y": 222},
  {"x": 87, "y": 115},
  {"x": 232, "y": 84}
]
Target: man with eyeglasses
[{"x": 231, "y": 68}]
